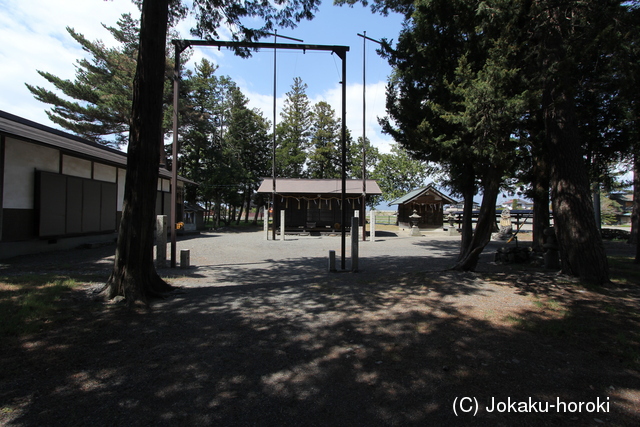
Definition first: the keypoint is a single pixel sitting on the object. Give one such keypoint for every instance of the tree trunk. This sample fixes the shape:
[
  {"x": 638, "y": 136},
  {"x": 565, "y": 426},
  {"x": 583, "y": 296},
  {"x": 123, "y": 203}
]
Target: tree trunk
[
  {"x": 469, "y": 192},
  {"x": 246, "y": 215},
  {"x": 218, "y": 212},
  {"x": 635, "y": 213},
  {"x": 134, "y": 276},
  {"x": 580, "y": 242},
  {"x": 486, "y": 220},
  {"x": 540, "y": 202},
  {"x": 595, "y": 202},
  {"x": 581, "y": 248},
  {"x": 239, "y": 213}
]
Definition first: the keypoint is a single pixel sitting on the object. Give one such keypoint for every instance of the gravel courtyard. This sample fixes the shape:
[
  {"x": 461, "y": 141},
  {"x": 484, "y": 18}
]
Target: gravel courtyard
[{"x": 259, "y": 333}]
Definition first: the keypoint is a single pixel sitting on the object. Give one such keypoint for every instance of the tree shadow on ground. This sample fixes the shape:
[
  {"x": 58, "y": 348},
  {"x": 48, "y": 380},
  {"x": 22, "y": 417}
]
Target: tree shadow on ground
[
  {"x": 284, "y": 342},
  {"x": 78, "y": 261},
  {"x": 327, "y": 350},
  {"x": 194, "y": 235}
]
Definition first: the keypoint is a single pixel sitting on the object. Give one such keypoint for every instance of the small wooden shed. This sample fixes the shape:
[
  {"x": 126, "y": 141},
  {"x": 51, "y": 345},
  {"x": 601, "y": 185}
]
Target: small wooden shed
[
  {"x": 428, "y": 203},
  {"x": 315, "y": 204},
  {"x": 193, "y": 216}
]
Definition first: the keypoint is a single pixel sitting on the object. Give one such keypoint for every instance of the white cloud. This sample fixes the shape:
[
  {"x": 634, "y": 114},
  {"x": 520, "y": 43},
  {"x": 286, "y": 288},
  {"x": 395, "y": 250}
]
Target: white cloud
[
  {"x": 34, "y": 38},
  {"x": 375, "y": 108}
]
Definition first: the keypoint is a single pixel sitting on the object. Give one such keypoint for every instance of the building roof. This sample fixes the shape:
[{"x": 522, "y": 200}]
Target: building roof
[
  {"x": 318, "y": 186},
  {"x": 414, "y": 194},
  {"x": 26, "y": 130},
  {"x": 193, "y": 207}
]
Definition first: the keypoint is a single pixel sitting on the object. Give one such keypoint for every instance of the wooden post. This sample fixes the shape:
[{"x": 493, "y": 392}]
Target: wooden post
[
  {"x": 185, "y": 258},
  {"x": 274, "y": 214},
  {"x": 161, "y": 241},
  {"x": 332, "y": 261},
  {"x": 372, "y": 227},
  {"x": 265, "y": 222},
  {"x": 354, "y": 243},
  {"x": 282, "y": 228}
]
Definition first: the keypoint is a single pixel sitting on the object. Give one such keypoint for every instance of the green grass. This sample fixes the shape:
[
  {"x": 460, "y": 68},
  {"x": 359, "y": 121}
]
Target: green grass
[
  {"x": 28, "y": 302},
  {"x": 520, "y": 322}
]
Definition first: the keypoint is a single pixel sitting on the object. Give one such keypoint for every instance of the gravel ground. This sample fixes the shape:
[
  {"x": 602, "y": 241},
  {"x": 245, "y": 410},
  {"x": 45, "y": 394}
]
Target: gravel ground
[
  {"x": 247, "y": 256},
  {"x": 259, "y": 333}
]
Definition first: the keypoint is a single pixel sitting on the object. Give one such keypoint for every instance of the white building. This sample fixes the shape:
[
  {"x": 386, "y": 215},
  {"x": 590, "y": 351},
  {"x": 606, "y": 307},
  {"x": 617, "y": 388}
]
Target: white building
[{"x": 60, "y": 191}]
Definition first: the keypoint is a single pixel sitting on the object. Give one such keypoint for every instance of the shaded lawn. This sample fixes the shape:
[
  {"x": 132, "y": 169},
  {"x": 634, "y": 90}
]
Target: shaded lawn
[{"x": 28, "y": 303}]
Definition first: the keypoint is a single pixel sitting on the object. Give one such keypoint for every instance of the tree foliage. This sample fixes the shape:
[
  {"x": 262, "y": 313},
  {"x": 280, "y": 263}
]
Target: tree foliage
[
  {"x": 224, "y": 144},
  {"x": 97, "y": 104},
  {"x": 293, "y": 132},
  {"x": 455, "y": 98},
  {"x": 610, "y": 210},
  {"x": 397, "y": 173},
  {"x": 485, "y": 88},
  {"x": 325, "y": 153},
  {"x": 371, "y": 154}
]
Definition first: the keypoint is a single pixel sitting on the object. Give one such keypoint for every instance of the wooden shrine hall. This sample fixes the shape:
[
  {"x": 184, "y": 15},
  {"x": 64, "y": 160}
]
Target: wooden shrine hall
[
  {"x": 427, "y": 202},
  {"x": 314, "y": 205}
]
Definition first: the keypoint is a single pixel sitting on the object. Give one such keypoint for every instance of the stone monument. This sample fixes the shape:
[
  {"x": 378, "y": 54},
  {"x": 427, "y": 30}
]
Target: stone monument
[{"x": 506, "y": 229}]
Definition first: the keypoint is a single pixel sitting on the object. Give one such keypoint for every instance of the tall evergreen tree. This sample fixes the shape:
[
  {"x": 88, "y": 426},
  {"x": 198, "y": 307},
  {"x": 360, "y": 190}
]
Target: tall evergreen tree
[
  {"x": 455, "y": 99},
  {"x": 293, "y": 133},
  {"x": 629, "y": 73},
  {"x": 561, "y": 39},
  {"x": 206, "y": 115},
  {"x": 556, "y": 50},
  {"x": 325, "y": 153},
  {"x": 97, "y": 103},
  {"x": 249, "y": 141}
]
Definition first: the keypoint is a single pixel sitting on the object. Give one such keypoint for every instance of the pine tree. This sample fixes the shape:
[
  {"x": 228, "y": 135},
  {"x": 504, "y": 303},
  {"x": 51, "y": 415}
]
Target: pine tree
[
  {"x": 248, "y": 139},
  {"x": 205, "y": 114},
  {"x": 97, "y": 104},
  {"x": 325, "y": 158},
  {"x": 454, "y": 99},
  {"x": 293, "y": 133},
  {"x": 561, "y": 53}
]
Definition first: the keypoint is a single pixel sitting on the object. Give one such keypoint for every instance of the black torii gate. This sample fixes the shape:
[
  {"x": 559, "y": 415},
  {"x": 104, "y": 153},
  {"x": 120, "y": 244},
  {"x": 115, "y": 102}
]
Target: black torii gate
[{"x": 181, "y": 45}]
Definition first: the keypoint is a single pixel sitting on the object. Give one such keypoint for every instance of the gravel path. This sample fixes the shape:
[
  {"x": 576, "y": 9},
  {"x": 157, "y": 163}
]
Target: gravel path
[{"x": 241, "y": 257}]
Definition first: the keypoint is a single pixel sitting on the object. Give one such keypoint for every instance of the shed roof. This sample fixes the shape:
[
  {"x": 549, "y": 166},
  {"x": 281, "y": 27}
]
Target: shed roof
[
  {"x": 26, "y": 130},
  {"x": 318, "y": 186},
  {"x": 193, "y": 207},
  {"x": 414, "y": 194}
]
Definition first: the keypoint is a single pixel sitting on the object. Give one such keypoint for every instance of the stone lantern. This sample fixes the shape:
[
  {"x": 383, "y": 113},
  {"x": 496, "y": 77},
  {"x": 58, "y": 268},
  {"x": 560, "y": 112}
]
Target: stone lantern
[{"x": 413, "y": 220}]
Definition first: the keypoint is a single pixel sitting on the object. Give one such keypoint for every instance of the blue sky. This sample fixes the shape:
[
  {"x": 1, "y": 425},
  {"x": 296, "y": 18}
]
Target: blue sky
[{"x": 34, "y": 38}]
